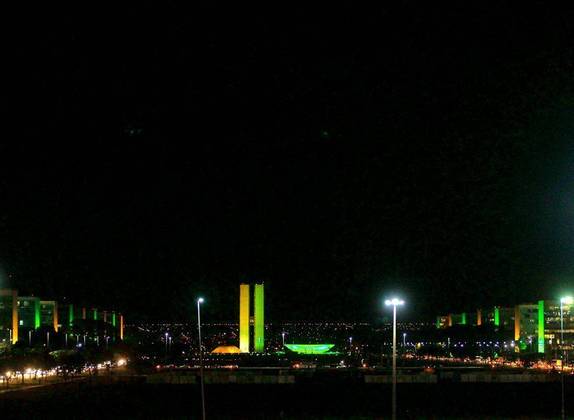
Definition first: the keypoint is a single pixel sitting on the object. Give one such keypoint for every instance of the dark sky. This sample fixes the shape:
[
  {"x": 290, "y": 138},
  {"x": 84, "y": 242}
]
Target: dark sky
[{"x": 156, "y": 152}]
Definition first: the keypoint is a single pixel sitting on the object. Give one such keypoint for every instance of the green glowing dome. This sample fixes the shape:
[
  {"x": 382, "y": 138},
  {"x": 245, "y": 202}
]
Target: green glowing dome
[{"x": 310, "y": 348}]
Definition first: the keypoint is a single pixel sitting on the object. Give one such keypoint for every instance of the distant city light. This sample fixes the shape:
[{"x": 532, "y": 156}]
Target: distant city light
[{"x": 567, "y": 300}]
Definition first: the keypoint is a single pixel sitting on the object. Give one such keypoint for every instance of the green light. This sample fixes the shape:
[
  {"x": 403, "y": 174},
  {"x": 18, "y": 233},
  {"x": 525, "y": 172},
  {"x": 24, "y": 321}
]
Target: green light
[
  {"x": 310, "y": 348},
  {"x": 438, "y": 322},
  {"x": 259, "y": 322},
  {"x": 540, "y": 326},
  {"x": 71, "y": 315},
  {"x": 114, "y": 319},
  {"x": 37, "y": 319},
  {"x": 496, "y": 316},
  {"x": 463, "y": 318},
  {"x": 95, "y": 314}
]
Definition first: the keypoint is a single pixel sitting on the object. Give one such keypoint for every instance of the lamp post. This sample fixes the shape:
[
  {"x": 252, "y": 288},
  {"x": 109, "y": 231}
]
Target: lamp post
[
  {"x": 199, "y": 302},
  {"x": 394, "y": 302},
  {"x": 283, "y": 338},
  {"x": 404, "y": 339},
  {"x": 566, "y": 300}
]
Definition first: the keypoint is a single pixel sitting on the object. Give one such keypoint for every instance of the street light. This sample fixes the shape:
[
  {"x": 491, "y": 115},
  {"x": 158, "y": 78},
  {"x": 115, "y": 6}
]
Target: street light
[
  {"x": 566, "y": 300},
  {"x": 199, "y": 302},
  {"x": 394, "y": 302}
]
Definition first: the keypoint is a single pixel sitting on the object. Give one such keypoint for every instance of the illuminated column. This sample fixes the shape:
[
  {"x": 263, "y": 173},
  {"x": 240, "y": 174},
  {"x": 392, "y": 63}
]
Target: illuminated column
[
  {"x": 479, "y": 317},
  {"x": 449, "y": 320},
  {"x": 105, "y": 313},
  {"x": 37, "y": 319},
  {"x": 244, "y": 318},
  {"x": 463, "y": 318},
  {"x": 259, "y": 319},
  {"x": 71, "y": 315},
  {"x": 438, "y": 322},
  {"x": 84, "y": 313},
  {"x": 496, "y": 316},
  {"x": 540, "y": 326},
  {"x": 517, "y": 322},
  {"x": 95, "y": 314},
  {"x": 121, "y": 327},
  {"x": 114, "y": 318},
  {"x": 55, "y": 317},
  {"x": 14, "y": 316}
]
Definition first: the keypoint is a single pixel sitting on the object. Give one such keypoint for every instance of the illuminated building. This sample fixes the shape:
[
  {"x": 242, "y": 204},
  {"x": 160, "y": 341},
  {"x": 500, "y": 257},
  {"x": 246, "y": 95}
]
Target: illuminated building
[
  {"x": 121, "y": 327},
  {"x": 49, "y": 314},
  {"x": 442, "y": 322},
  {"x": 244, "y": 318},
  {"x": 525, "y": 325},
  {"x": 226, "y": 350},
  {"x": 28, "y": 312},
  {"x": 258, "y": 318},
  {"x": 9, "y": 315},
  {"x": 457, "y": 319},
  {"x": 531, "y": 327},
  {"x": 310, "y": 348}
]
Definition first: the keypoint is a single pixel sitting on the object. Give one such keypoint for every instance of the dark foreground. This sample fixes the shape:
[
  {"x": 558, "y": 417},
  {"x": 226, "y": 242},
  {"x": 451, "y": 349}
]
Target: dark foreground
[{"x": 306, "y": 400}]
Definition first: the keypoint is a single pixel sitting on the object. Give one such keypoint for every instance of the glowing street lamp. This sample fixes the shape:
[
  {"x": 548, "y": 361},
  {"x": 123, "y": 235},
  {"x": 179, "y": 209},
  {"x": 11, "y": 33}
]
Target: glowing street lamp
[
  {"x": 199, "y": 302},
  {"x": 566, "y": 300},
  {"x": 394, "y": 302}
]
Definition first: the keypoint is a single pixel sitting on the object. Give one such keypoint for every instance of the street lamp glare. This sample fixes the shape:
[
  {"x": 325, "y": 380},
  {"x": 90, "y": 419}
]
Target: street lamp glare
[
  {"x": 200, "y": 300},
  {"x": 567, "y": 300},
  {"x": 394, "y": 302}
]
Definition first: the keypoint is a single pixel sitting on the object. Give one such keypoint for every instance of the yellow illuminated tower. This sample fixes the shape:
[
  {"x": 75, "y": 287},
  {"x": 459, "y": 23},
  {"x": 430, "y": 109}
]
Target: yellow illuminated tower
[
  {"x": 121, "y": 327},
  {"x": 517, "y": 324},
  {"x": 244, "y": 318},
  {"x": 479, "y": 317},
  {"x": 55, "y": 317}
]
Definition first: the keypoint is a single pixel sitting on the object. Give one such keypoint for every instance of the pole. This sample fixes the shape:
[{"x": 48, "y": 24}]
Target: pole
[
  {"x": 394, "y": 402},
  {"x": 563, "y": 412},
  {"x": 30, "y": 338},
  {"x": 200, "y": 360}
]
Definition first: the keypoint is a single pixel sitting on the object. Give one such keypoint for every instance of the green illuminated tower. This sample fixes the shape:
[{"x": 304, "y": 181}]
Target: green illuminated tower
[
  {"x": 259, "y": 321},
  {"x": 496, "y": 316},
  {"x": 463, "y": 318},
  {"x": 71, "y": 315},
  {"x": 37, "y": 319},
  {"x": 244, "y": 318},
  {"x": 540, "y": 326}
]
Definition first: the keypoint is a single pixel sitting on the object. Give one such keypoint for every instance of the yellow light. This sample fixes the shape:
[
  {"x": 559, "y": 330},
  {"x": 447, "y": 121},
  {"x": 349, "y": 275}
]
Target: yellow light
[{"x": 122, "y": 362}]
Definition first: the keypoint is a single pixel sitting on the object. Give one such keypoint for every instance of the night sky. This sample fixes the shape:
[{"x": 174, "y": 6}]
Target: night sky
[{"x": 154, "y": 153}]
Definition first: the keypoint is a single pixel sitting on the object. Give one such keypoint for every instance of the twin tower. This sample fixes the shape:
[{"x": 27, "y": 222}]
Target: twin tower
[{"x": 245, "y": 318}]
